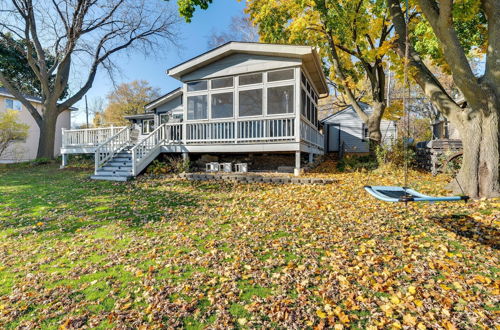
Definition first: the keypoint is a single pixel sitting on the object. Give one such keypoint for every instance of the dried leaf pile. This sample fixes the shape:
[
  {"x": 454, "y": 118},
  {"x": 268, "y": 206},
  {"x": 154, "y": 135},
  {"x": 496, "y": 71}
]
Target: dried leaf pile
[{"x": 170, "y": 253}]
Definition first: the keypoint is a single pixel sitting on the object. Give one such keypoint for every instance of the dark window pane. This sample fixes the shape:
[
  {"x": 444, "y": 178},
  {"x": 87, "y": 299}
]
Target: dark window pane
[
  {"x": 303, "y": 78},
  {"x": 222, "y": 82},
  {"x": 251, "y": 103},
  {"x": 222, "y": 105},
  {"x": 197, "y": 107},
  {"x": 280, "y": 100},
  {"x": 280, "y": 75},
  {"x": 148, "y": 126},
  {"x": 309, "y": 109},
  {"x": 197, "y": 86},
  {"x": 164, "y": 118},
  {"x": 248, "y": 79},
  {"x": 303, "y": 102}
]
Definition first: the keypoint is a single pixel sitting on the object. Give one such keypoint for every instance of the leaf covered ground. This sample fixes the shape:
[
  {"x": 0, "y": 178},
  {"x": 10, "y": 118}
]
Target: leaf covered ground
[{"x": 167, "y": 253}]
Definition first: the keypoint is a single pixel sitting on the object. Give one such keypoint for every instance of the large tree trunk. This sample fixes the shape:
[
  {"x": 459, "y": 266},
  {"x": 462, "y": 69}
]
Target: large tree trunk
[
  {"x": 373, "y": 125},
  {"x": 47, "y": 133},
  {"x": 479, "y": 173}
]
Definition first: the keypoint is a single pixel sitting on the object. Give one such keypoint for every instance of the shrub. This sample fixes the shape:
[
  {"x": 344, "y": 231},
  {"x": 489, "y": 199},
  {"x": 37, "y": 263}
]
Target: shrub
[
  {"x": 11, "y": 130},
  {"x": 171, "y": 165},
  {"x": 395, "y": 154},
  {"x": 352, "y": 163}
]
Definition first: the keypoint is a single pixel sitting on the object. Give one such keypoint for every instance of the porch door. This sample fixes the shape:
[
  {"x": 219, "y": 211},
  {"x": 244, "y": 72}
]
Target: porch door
[{"x": 333, "y": 137}]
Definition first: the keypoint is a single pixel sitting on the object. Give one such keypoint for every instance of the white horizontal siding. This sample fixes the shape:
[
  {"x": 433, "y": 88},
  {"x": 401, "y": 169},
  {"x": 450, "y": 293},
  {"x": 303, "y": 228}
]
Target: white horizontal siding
[
  {"x": 174, "y": 105},
  {"x": 351, "y": 130},
  {"x": 240, "y": 64}
]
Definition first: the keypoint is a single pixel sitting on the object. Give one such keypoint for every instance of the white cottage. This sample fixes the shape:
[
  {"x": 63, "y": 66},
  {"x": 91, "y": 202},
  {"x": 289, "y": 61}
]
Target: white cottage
[
  {"x": 345, "y": 128},
  {"x": 237, "y": 98}
]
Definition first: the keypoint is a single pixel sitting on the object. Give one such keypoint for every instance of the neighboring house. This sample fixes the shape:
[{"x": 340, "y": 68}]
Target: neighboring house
[
  {"x": 239, "y": 98},
  {"x": 346, "y": 128},
  {"x": 165, "y": 109},
  {"x": 443, "y": 129},
  {"x": 26, "y": 150}
]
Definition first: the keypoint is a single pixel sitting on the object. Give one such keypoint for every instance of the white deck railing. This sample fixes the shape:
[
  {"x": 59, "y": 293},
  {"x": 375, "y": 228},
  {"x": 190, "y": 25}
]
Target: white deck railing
[
  {"x": 88, "y": 137},
  {"x": 310, "y": 134},
  {"x": 147, "y": 148},
  {"x": 109, "y": 148},
  {"x": 240, "y": 131}
]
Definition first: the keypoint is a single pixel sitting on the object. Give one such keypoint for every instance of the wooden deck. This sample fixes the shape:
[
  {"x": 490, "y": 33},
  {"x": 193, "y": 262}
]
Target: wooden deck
[{"x": 282, "y": 134}]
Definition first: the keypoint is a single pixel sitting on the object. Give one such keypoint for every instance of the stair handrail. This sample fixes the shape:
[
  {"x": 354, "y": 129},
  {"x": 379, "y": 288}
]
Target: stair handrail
[
  {"x": 146, "y": 147},
  {"x": 109, "y": 148}
]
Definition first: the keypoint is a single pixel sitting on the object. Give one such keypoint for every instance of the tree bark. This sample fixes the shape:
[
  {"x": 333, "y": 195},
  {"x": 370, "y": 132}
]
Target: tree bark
[
  {"x": 47, "y": 132},
  {"x": 478, "y": 124},
  {"x": 373, "y": 124}
]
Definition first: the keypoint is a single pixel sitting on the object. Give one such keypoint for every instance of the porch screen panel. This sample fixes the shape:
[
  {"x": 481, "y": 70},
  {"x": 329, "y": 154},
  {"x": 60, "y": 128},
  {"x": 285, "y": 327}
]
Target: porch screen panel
[
  {"x": 250, "y": 103},
  {"x": 222, "y": 105},
  {"x": 197, "y": 107},
  {"x": 249, "y": 79},
  {"x": 280, "y": 100},
  {"x": 280, "y": 75},
  {"x": 197, "y": 86},
  {"x": 222, "y": 82}
]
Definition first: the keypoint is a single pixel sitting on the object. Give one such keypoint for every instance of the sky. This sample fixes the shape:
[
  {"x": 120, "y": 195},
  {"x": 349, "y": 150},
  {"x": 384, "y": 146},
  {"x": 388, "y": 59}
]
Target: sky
[{"x": 192, "y": 39}]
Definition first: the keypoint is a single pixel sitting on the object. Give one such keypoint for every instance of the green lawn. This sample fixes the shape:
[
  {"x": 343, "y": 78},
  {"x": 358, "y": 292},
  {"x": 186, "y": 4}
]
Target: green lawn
[{"x": 166, "y": 252}]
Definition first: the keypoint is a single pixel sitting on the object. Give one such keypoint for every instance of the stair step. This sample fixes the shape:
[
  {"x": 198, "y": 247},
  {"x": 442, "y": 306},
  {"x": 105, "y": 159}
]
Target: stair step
[
  {"x": 122, "y": 159},
  {"x": 115, "y": 168},
  {"x": 113, "y": 173},
  {"x": 110, "y": 177},
  {"x": 118, "y": 163}
]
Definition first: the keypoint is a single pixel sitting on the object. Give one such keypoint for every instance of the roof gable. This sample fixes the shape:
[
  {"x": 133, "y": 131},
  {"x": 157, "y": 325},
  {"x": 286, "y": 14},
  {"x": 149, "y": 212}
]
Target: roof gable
[{"x": 307, "y": 54}]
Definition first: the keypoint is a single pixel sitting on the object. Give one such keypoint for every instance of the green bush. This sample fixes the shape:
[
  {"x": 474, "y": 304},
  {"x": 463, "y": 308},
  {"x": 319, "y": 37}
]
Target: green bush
[
  {"x": 170, "y": 165},
  {"x": 395, "y": 154},
  {"x": 352, "y": 163}
]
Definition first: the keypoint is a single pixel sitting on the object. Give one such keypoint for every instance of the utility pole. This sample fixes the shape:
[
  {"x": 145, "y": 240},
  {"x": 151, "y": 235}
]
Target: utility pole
[{"x": 87, "y": 111}]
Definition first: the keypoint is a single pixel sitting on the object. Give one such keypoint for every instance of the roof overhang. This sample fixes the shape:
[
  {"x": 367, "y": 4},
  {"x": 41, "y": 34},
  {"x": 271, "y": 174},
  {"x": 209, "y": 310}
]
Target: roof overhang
[
  {"x": 309, "y": 56},
  {"x": 140, "y": 116},
  {"x": 164, "y": 99}
]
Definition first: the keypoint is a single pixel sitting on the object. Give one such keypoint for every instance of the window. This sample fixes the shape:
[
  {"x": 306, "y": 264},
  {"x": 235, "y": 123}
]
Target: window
[
  {"x": 177, "y": 117},
  {"x": 280, "y": 100},
  {"x": 148, "y": 125},
  {"x": 164, "y": 118},
  {"x": 280, "y": 75},
  {"x": 13, "y": 104},
  {"x": 365, "y": 136},
  {"x": 197, "y": 86},
  {"x": 222, "y": 105},
  {"x": 303, "y": 78},
  {"x": 303, "y": 102},
  {"x": 197, "y": 107},
  {"x": 249, "y": 79},
  {"x": 309, "y": 109},
  {"x": 222, "y": 83},
  {"x": 250, "y": 102}
]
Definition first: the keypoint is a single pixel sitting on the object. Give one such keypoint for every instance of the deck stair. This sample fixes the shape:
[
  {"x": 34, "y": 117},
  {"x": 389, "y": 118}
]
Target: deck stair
[
  {"x": 122, "y": 157},
  {"x": 118, "y": 168}
]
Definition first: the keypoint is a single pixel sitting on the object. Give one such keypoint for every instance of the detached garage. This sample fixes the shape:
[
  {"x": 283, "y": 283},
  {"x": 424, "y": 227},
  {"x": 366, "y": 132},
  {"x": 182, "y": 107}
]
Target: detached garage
[{"x": 346, "y": 127}]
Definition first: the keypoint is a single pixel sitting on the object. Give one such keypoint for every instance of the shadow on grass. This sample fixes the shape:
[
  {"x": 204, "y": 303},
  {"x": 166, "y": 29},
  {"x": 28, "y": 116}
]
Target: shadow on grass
[
  {"x": 466, "y": 226},
  {"x": 44, "y": 200}
]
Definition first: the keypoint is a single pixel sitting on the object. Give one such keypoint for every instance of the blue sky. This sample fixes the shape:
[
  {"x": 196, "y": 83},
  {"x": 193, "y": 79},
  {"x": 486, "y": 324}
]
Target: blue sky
[{"x": 193, "y": 39}]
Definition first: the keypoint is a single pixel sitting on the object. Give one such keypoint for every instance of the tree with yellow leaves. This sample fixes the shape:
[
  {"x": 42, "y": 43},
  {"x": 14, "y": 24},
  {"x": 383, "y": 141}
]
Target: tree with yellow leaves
[
  {"x": 353, "y": 37},
  {"x": 128, "y": 99}
]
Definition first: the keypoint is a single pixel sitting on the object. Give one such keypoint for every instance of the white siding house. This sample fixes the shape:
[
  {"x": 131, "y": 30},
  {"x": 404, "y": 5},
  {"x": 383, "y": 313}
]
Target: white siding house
[
  {"x": 345, "y": 127},
  {"x": 238, "y": 98}
]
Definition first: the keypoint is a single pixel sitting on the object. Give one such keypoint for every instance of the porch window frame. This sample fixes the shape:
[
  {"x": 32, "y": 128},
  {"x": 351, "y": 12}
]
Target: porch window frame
[
  {"x": 143, "y": 121},
  {"x": 313, "y": 95},
  {"x": 223, "y": 91},
  {"x": 236, "y": 88}
]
